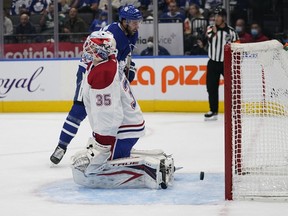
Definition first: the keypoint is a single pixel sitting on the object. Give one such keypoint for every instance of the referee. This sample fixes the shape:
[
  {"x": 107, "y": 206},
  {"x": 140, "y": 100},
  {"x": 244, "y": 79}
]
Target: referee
[{"x": 218, "y": 35}]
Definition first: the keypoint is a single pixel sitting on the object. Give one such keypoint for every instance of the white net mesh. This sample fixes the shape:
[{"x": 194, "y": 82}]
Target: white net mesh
[{"x": 259, "y": 120}]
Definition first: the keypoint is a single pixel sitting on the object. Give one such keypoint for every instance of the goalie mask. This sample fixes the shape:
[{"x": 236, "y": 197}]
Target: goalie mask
[{"x": 98, "y": 46}]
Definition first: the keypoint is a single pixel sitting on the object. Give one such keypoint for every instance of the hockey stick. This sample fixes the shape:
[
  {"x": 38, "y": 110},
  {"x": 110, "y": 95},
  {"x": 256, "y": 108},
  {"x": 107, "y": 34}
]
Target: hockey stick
[{"x": 128, "y": 63}]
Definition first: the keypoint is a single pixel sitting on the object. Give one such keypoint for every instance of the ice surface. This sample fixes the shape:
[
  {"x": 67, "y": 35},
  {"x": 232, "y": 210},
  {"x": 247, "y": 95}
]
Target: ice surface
[
  {"x": 29, "y": 186},
  {"x": 187, "y": 190}
]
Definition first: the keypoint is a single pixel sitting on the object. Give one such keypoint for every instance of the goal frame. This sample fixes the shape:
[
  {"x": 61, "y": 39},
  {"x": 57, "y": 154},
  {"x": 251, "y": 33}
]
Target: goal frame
[
  {"x": 232, "y": 80},
  {"x": 234, "y": 122},
  {"x": 228, "y": 119}
]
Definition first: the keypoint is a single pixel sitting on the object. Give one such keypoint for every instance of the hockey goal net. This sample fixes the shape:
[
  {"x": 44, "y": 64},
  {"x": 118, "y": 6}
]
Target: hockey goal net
[{"x": 256, "y": 121}]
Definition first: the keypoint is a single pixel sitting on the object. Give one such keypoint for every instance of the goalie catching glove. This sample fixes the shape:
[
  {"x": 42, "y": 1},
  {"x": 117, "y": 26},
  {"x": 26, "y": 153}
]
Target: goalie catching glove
[{"x": 93, "y": 159}]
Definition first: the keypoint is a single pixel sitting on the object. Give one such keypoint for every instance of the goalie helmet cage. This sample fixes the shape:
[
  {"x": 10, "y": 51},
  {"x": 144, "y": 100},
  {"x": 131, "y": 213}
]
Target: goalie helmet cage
[{"x": 256, "y": 121}]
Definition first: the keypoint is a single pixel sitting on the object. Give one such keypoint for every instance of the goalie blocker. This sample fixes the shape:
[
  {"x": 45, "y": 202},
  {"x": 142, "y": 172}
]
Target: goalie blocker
[{"x": 144, "y": 169}]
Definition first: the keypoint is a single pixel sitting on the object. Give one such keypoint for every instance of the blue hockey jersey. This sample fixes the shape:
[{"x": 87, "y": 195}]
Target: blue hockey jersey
[{"x": 125, "y": 44}]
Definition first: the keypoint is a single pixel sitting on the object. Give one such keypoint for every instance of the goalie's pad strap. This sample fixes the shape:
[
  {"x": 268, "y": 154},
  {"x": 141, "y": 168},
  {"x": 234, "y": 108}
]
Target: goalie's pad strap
[{"x": 151, "y": 152}]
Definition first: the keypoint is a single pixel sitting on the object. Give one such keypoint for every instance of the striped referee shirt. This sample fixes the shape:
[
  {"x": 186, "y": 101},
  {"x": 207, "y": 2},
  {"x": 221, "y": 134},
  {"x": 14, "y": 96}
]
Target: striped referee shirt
[
  {"x": 198, "y": 25},
  {"x": 216, "y": 41}
]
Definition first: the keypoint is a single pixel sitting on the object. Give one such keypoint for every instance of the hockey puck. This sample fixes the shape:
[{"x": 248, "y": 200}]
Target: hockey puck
[{"x": 201, "y": 175}]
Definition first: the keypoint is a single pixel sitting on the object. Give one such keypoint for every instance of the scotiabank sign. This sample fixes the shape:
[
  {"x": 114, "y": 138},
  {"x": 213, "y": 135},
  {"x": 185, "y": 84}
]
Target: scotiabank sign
[
  {"x": 42, "y": 50},
  {"x": 156, "y": 79}
]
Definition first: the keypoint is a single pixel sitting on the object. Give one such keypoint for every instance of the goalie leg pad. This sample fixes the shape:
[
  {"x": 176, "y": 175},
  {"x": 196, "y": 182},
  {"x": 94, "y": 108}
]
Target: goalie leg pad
[
  {"x": 122, "y": 173},
  {"x": 140, "y": 172}
]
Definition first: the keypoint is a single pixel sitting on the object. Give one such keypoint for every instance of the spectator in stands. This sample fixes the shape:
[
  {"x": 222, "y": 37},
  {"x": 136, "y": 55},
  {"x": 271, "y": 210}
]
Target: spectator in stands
[
  {"x": 187, "y": 27},
  {"x": 164, "y": 4},
  {"x": 136, "y": 3},
  {"x": 19, "y": 6},
  {"x": 188, "y": 38},
  {"x": 185, "y": 4},
  {"x": 24, "y": 28},
  {"x": 103, "y": 4},
  {"x": 240, "y": 10},
  {"x": 99, "y": 23},
  {"x": 199, "y": 46},
  {"x": 145, "y": 12},
  {"x": 63, "y": 6},
  {"x": 145, "y": 3},
  {"x": 47, "y": 20},
  {"x": 85, "y": 6},
  {"x": 256, "y": 32},
  {"x": 7, "y": 24},
  {"x": 240, "y": 28},
  {"x": 173, "y": 14},
  {"x": 75, "y": 25},
  {"x": 197, "y": 21},
  {"x": 38, "y": 6},
  {"x": 212, "y": 4},
  {"x": 195, "y": 27},
  {"x": 193, "y": 11},
  {"x": 149, "y": 50}
]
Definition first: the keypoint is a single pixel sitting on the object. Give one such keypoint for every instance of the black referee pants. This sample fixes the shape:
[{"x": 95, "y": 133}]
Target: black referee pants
[{"x": 214, "y": 70}]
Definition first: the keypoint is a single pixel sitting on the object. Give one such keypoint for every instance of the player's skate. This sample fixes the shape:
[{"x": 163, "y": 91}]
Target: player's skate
[
  {"x": 57, "y": 155},
  {"x": 211, "y": 116}
]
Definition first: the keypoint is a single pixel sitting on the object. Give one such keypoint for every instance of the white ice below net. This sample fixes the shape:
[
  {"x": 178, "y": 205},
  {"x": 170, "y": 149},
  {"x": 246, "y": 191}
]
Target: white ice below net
[{"x": 264, "y": 121}]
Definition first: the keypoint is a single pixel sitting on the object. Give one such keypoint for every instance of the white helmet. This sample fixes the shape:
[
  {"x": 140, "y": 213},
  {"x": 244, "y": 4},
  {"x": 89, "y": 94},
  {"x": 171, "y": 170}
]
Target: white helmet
[{"x": 98, "y": 46}]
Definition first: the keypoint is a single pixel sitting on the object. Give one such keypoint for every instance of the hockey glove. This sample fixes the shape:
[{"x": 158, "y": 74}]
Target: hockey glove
[{"x": 130, "y": 72}]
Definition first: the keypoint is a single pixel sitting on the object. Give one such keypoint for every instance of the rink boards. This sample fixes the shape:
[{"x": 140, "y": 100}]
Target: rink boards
[{"x": 169, "y": 84}]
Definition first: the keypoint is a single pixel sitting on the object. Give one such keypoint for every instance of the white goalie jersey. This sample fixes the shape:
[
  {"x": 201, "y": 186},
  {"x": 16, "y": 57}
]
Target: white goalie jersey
[
  {"x": 111, "y": 107},
  {"x": 115, "y": 117}
]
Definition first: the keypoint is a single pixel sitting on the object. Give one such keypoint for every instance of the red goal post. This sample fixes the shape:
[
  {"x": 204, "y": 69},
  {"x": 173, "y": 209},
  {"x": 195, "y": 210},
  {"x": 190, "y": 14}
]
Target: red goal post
[{"x": 256, "y": 120}]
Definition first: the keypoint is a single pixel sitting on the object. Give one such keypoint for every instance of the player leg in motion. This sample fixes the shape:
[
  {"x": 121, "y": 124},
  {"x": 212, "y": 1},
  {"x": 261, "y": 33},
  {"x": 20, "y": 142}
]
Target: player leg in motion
[
  {"x": 75, "y": 116},
  {"x": 77, "y": 113},
  {"x": 117, "y": 123}
]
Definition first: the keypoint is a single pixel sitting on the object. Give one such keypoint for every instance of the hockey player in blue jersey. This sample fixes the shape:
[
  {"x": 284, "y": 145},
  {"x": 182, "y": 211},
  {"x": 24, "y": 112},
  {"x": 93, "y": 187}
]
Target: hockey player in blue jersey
[{"x": 126, "y": 34}]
